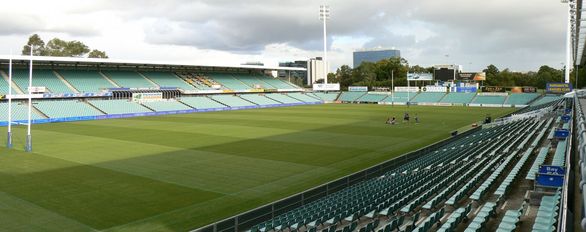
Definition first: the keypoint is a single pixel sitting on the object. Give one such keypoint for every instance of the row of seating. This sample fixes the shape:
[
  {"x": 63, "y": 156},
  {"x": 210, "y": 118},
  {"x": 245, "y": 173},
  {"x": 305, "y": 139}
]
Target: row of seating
[
  {"x": 435, "y": 97},
  {"x": 168, "y": 79},
  {"x": 546, "y": 99},
  {"x": 119, "y": 106},
  {"x": 521, "y": 98},
  {"x": 547, "y": 213},
  {"x": 350, "y": 96},
  {"x": 511, "y": 220},
  {"x": 541, "y": 156},
  {"x": 491, "y": 180},
  {"x": 54, "y": 109},
  {"x": 479, "y": 222},
  {"x": 91, "y": 81},
  {"x": 489, "y": 99},
  {"x": 283, "y": 98},
  {"x": 325, "y": 96},
  {"x": 94, "y": 107},
  {"x": 259, "y": 99},
  {"x": 167, "y": 105},
  {"x": 304, "y": 97},
  {"x": 455, "y": 218},
  {"x": 504, "y": 186},
  {"x": 428, "y": 223},
  {"x": 535, "y": 107},
  {"x": 397, "y": 189},
  {"x": 19, "y": 112},
  {"x": 559, "y": 157},
  {"x": 202, "y": 103}
]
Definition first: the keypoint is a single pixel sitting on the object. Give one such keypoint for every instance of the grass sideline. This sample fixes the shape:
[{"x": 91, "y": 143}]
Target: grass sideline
[{"x": 180, "y": 172}]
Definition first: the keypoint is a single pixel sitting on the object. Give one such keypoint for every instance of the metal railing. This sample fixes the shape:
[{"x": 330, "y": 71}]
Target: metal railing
[{"x": 580, "y": 136}]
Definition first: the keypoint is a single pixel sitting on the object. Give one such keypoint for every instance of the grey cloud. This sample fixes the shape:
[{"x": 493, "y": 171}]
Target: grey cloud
[
  {"x": 24, "y": 24},
  {"x": 13, "y": 24},
  {"x": 521, "y": 33}
]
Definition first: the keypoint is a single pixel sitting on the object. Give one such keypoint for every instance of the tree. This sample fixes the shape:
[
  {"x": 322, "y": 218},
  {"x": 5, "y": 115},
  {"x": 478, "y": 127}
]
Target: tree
[
  {"x": 37, "y": 43},
  {"x": 97, "y": 54},
  {"x": 59, "y": 47}
]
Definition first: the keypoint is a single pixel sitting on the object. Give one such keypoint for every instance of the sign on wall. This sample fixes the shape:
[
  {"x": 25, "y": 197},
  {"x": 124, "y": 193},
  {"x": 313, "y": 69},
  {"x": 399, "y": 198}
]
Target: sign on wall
[
  {"x": 358, "y": 88},
  {"x": 499, "y": 89},
  {"x": 558, "y": 87},
  {"x": 436, "y": 89},
  {"x": 471, "y": 76},
  {"x": 419, "y": 76},
  {"x": 406, "y": 89},
  {"x": 326, "y": 87}
]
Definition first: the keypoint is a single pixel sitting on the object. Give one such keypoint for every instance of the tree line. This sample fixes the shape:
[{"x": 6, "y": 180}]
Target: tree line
[
  {"x": 380, "y": 74},
  {"x": 59, "y": 47}
]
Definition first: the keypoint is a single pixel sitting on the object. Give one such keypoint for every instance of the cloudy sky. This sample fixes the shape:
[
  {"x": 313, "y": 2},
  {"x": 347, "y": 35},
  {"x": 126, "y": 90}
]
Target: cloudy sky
[{"x": 520, "y": 34}]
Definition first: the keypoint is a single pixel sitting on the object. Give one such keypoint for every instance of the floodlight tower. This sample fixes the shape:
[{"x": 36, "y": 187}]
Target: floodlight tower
[
  {"x": 569, "y": 33},
  {"x": 324, "y": 15}
]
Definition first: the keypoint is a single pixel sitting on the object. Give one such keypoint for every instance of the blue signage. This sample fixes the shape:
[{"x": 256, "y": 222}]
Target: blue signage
[
  {"x": 552, "y": 170},
  {"x": 358, "y": 88},
  {"x": 558, "y": 87},
  {"x": 546, "y": 180},
  {"x": 469, "y": 89},
  {"x": 550, "y": 176}
]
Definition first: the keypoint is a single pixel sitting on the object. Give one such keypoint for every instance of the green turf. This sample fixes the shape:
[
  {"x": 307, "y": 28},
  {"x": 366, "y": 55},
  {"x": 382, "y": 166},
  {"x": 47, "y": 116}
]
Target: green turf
[{"x": 180, "y": 172}]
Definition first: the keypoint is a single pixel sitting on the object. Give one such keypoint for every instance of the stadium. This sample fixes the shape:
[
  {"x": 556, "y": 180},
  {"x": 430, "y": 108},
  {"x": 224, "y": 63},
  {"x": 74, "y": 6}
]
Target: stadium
[{"x": 97, "y": 144}]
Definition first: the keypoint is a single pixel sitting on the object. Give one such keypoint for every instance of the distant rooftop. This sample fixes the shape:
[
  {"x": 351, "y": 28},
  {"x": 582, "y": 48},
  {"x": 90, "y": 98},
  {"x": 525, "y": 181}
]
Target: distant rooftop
[{"x": 375, "y": 49}]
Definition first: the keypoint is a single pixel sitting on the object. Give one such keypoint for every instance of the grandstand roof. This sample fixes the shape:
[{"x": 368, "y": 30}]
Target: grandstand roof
[{"x": 69, "y": 61}]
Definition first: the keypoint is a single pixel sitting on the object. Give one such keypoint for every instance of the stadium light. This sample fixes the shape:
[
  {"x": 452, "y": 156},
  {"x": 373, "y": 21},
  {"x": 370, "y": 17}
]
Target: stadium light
[
  {"x": 324, "y": 15},
  {"x": 568, "y": 62}
]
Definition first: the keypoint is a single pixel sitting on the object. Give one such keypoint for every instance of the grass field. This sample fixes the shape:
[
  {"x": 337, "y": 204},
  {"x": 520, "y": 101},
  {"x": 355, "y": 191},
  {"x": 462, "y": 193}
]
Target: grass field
[{"x": 181, "y": 172}]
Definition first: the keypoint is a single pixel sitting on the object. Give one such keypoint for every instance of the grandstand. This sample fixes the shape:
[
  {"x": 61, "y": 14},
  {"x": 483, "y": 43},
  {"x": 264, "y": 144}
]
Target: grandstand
[
  {"x": 19, "y": 111},
  {"x": 232, "y": 100},
  {"x": 169, "y": 105},
  {"x": 458, "y": 98},
  {"x": 199, "y": 81},
  {"x": 259, "y": 99},
  {"x": 521, "y": 98},
  {"x": 4, "y": 85},
  {"x": 86, "y": 81},
  {"x": 329, "y": 96},
  {"x": 167, "y": 79},
  {"x": 428, "y": 97},
  {"x": 372, "y": 97},
  {"x": 54, "y": 109},
  {"x": 46, "y": 78},
  {"x": 282, "y": 98},
  {"x": 129, "y": 79},
  {"x": 400, "y": 97},
  {"x": 304, "y": 97},
  {"x": 228, "y": 81},
  {"x": 350, "y": 96},
  {"x": 489, "y": 99},
  {"x": 202, "y": 103},
  {"x": 546, "y": 99},
  {"x": 118, "y": 106}
]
